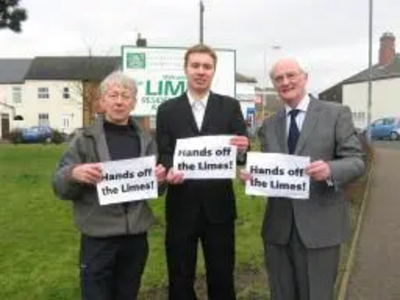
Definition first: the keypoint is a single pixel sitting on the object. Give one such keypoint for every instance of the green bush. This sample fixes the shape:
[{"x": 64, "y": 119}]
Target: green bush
[
  {"x": 15, "y": 136},
  {"x": 57, "y": 137}
]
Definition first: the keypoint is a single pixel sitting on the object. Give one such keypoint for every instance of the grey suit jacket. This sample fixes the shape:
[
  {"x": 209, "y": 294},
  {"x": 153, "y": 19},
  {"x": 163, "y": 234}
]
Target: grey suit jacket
[{"x": 327, "y": 134}]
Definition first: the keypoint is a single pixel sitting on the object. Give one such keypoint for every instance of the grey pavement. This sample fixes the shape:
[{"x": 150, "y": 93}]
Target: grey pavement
[{"x": 376, "y": 275}]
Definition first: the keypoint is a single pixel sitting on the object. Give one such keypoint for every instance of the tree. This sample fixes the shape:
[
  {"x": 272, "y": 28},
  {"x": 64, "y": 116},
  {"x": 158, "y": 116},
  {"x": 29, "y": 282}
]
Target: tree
[{"x": 11, "y": 15}]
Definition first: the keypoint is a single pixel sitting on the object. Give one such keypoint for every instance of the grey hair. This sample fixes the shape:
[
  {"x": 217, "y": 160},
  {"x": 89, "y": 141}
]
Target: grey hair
[
  {"x": 301, "y": 68},
  {"x": 121, "y": 78}
]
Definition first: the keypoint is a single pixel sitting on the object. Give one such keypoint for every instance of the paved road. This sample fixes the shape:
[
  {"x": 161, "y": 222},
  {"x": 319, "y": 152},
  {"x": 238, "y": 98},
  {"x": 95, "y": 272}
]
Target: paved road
[
  {"x": 377, "y": 269},
  {"x": 387, "y": 144}
]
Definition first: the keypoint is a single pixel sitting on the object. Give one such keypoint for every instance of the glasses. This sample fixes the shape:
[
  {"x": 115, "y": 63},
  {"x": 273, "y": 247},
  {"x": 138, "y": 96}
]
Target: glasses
[
  {"x": 290, "y": 76},
  {"x": 123, "y": 96}
]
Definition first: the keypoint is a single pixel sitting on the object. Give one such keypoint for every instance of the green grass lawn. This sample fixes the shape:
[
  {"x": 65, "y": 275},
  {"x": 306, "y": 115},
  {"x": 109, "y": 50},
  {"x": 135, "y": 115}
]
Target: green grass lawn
[{"x": 39, "y": 244}]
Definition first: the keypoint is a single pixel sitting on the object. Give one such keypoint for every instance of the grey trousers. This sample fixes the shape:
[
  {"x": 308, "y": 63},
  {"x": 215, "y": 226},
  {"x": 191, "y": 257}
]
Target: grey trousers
[{"x": 298, "y": 273}]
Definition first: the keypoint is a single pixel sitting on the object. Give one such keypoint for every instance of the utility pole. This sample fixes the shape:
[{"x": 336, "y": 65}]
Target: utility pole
[
  {"x": 369, "y": 105},
  {"x": 266, "y": 74},
  {"x": 201, "y": 22}
]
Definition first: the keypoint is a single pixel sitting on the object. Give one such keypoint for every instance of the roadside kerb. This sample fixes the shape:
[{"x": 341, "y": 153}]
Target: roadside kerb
[{"x": 344, "y": 282}]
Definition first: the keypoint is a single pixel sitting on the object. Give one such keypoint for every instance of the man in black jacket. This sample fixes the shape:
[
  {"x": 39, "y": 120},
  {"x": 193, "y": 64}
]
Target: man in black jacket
[{"x": 199, "y": 210}]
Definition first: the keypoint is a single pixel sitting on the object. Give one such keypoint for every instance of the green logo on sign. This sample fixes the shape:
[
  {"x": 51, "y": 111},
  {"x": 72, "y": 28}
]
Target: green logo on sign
[{"x": 136, "y": 60}]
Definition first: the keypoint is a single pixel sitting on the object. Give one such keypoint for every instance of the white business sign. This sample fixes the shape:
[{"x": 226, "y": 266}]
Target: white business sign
[{"x": 159, "y": 73}]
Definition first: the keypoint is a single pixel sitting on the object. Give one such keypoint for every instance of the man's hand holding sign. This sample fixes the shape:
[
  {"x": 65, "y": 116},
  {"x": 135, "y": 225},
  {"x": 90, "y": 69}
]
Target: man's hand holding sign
[
  {"x": 241, "y": 142},
  {"x": 89, "y": 173},
  {"x": 319, "y": 170}
]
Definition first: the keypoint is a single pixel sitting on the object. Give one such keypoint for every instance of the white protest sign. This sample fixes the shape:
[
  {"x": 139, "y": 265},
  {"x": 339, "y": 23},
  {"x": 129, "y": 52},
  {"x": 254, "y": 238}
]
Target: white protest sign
[
  {"x": 206, "y": 157},
  {"x": 278, "y": 175},
  {"x": 128, "y": 180}
]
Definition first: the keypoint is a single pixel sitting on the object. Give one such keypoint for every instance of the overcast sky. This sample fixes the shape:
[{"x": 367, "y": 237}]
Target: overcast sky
[{"x": 330, "y": 38}]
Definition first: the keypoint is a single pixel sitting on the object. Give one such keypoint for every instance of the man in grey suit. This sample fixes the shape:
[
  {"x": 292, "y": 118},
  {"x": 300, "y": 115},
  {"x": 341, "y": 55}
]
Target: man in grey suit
[{"x": 302, "y": 237}]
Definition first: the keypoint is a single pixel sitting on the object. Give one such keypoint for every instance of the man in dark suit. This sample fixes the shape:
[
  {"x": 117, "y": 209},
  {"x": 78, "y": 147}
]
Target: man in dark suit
[
  {"x": 204, "y": 209},
  {"x": 302, "y": 237}
]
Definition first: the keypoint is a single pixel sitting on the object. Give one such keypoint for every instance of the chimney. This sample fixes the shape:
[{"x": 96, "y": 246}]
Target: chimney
[
  {"x": 141, "y": 42},
  {"x": 387, "y": 51}
]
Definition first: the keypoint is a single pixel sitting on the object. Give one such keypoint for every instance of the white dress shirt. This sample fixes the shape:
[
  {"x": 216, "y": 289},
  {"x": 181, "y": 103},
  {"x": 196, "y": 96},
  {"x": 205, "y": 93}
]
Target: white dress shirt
[
  {"x": 302, "y": 107},
  {"x": 198, "y": 108}
]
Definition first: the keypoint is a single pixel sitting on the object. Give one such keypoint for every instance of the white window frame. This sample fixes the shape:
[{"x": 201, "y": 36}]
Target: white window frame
[
  {"x": 43, "y": 119},
  {"x": 17, "y": 94},
  {"x": 66, "y": 93},
  {"x": 66, "y": 121},
  {"x": 43, "y": 93}
]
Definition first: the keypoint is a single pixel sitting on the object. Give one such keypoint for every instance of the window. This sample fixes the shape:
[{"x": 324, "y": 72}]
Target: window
[
  {"x": 17, "y": 94},
  {"x": 66, "y": 121},
  {"x": 388, "y": 121},
  {"x": 360, "y": 116},
  {"x": 43, "y": 93},
  {"x": 66, "y": 94},
  {"x": 44, "y": 120}
]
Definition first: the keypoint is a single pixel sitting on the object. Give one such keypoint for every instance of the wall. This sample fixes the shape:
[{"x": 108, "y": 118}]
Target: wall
[{"x": 385, "y": 100}]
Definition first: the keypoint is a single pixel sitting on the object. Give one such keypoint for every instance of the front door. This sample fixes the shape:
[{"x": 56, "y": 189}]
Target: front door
[
  {"x": 5, "y": 125},
  {"x": 67, "y": 123}
]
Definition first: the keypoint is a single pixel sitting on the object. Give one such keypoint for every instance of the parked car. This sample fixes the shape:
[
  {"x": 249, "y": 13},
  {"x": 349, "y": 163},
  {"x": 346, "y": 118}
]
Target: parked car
[
  {"x": 385, "y": 128},
  {"x": 37, "y": 134}
]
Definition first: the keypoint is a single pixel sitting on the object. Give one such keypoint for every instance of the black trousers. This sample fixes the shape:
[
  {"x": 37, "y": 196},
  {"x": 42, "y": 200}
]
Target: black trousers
[
  {"x": 218, "y": 245},
  {"x": 111, "y": 268}
]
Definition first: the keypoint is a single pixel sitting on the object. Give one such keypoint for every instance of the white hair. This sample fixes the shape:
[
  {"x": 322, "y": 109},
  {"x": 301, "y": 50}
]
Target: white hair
[
  {"x": 301, "y": 68},
  {"x": 118, "y": 77}
]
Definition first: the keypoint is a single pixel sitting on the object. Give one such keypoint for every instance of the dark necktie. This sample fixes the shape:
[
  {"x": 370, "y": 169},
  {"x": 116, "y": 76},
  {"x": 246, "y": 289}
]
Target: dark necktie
[{"x": 294, "y": 132}]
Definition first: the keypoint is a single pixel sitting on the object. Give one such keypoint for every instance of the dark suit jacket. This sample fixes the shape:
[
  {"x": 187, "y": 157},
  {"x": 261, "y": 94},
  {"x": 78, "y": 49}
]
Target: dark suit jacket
[
  {"x": 327, "y": 134},
  {"x": 175, "y": 120}
]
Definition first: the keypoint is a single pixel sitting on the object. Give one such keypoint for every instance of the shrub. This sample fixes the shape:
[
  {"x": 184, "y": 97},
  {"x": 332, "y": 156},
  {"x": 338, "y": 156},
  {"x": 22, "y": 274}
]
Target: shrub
[
  {"x": 15, "y": 136},
  {"x": 57, "y": 137}
]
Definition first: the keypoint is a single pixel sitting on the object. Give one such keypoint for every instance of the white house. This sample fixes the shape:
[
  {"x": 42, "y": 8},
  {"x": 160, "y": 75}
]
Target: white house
[
  {"x": 55, "y": 89},
  {"x": 12, "y": 73},
  {"x": 55, "y": 103},
  {"x": 385, "y": 99}
]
